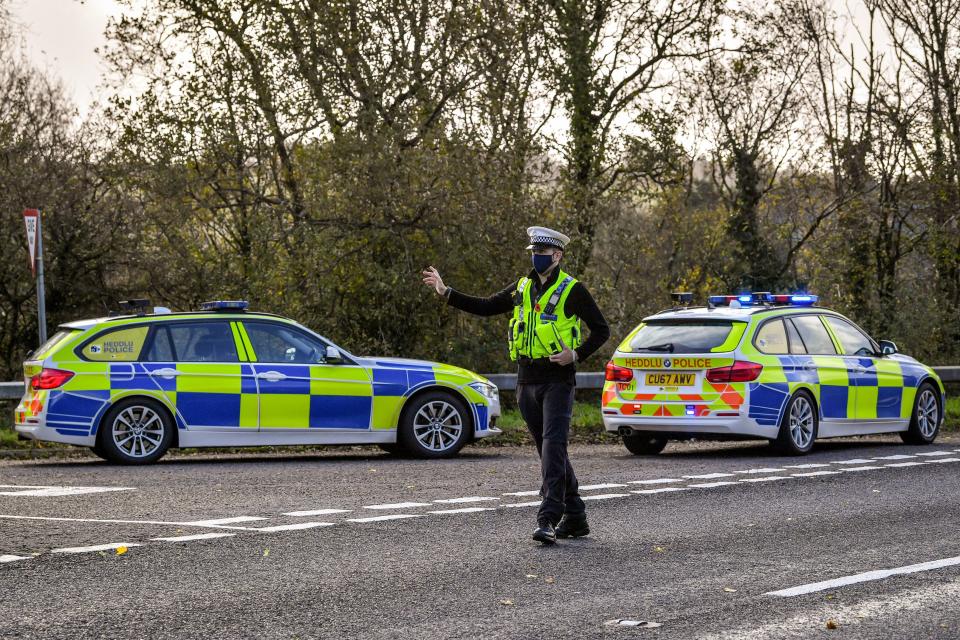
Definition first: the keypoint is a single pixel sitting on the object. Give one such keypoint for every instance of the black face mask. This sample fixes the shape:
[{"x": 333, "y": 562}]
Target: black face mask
[{"x": 542, "y": 263}]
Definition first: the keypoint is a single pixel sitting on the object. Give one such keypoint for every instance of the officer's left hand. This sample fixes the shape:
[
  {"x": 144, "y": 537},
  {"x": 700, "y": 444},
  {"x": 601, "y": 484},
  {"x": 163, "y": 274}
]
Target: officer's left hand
[{"x": 565, "y": 357}]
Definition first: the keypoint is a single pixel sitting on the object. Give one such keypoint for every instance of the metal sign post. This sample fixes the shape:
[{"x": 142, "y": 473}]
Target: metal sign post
[{"x": 32, "y": 218}]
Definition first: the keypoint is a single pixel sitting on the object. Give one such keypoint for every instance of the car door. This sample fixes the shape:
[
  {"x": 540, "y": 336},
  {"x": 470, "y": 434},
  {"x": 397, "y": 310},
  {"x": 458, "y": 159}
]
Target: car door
[
  {"x": 836, "y": 399},
  {"x": 878, "y": 383},
  {"x": 198, "y": 367},
  {"x": 298, "y": 388}
]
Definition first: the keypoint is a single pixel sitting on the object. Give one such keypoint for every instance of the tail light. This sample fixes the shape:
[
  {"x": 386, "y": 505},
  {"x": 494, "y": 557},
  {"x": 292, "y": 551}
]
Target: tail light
[
  {"x": 50, "y": 379},
  {"x": 615, "y": 373},
  {"x": 739, "y": 371}
]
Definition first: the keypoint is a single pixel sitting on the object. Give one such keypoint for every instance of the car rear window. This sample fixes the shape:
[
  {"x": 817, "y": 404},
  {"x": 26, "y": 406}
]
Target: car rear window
[
  {"x": 53, "y": 342},
  {"x": 687, "y": 336}
]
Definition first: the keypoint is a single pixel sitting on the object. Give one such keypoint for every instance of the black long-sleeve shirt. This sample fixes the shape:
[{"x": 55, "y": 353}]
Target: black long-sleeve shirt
[{"x": 579, "y": 303}]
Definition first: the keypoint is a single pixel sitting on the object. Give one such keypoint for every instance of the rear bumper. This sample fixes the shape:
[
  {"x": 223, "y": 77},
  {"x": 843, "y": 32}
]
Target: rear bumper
[
  {"x": 47, "y": 434},
  {"x": 724, "y": 426}
]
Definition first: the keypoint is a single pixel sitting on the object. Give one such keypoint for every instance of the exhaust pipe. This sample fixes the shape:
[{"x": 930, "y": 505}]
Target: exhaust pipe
[{"x": 625, "y": 431}]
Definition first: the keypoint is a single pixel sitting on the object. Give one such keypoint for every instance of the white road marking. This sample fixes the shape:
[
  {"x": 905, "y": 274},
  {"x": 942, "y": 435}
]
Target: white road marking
[
  {"x": 660, "y": 490},
  {"x": 297, "y": 526},
  {"x": 464, "y": 510},
  {"x": 199, "y": 536},
  {"x": 393, "y": 516},
  {"x": 865, "y": 468},
  {"x": 605, "y": 496},
  {"x": 935, "y": 453},
  {"x": 764, "y": 470},
  {"x": 710, "y": 485},
  {"x": 316, "y": 512},
  {"x": 10, "y": 558},
  {"x": 765, "y": 479},
  {"x": 907, "y": 464},
  {"x": 521, "y": 504},
  {"x": 398, "y": 505},
  {"x": 609, "y": 485},
  {"x": 946, "y": 460},
  {"x": 811, "y": 474},
  {"x": 709, "y": 476},
  {"x": 220, "y": 521},
  {"x": 657, "y": 481},
  {"x": 809, "y": 465},
  {"x": 854, "y": 461},
  {"x": 521, "y": 494},
  {"x": 56, "y": 492},
  {"x": 896, "y": 457},
  {"x": 98, "y": 547},
  {"x": 864, "y": 577},
  {"x": 465, "y": 500},
  {"x": 161, "y": 522}
]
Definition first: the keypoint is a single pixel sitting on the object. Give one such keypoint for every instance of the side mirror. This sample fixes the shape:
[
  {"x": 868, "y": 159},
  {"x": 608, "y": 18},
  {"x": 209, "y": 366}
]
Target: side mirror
[
  {"x": 888, "y": 348},
  {"x": 333, "y": 356}
]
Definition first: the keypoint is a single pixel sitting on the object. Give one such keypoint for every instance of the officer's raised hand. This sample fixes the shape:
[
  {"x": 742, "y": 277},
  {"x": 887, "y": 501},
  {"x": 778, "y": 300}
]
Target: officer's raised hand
[{"x": 432, "y": 278}]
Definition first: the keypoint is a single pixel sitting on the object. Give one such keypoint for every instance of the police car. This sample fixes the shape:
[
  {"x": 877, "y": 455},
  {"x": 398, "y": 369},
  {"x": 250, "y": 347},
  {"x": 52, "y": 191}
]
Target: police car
[
  {"x": 764, "y": 366},
  {"x": 130, "y": 387}
]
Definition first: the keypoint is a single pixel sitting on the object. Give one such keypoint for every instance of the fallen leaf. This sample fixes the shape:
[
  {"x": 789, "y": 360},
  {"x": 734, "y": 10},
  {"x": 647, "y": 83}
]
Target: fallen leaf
[
  {"x": 830, "y": 597},
  {"x": 549, "y": 579},
  {"x": 831, "y": 624},
  {"x": 531, "y": 575},
  {"x": 506, "y": 603},
  {"x": 121, "y": 551},
  {"x": 659, "y": 549},
  {"x": 266, "y": 552},
  {"x": 729, "y": 590}
]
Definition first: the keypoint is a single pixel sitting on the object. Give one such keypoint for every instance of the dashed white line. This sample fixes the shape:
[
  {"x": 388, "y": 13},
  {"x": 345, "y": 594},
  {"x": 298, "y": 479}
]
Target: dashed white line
[
  {"x": 222, "y": 521},
  {"x": 764, "y": 470},
  {"x": 393, "y": 516},
  {"x": 809, "y": 465},
  {"x": 907, "y": 464},
  {"x": 463, "y": 510},
  {"x": 605, "y": 496},
  {"x": 710, "y": 485},
  {"x": 864, "y": 468},
  {"x": 935, "y": 453},
  {"x": 160, "y": 522},
  {"x": 811, "y": 474},
  {"x": 946, "y": 460},
  {"x": 609, "y": 485},
  {"x": 520, "y": 504},
  {"x": 398, "y": 505},
  {"x": 99, "y": 547},
  {"x": 657, "y": 481},
  {"x": 199, "y": 536},
  {"x": 864, "y": 577},
  {"x": 709, "y": 476},
  {"x": 11, "y": 558},
  {"x": 854, "y": 461},
  {"x": 54, "y": 492},
  {"x": 896, "y": 457},
  {"x": 660, "y": 490},
  {"x": 296, "y": 527},
  {"x": 316, "y": 512},
  {"x": 765, "y": 479},
  {"x": 521, "y": 494},
  {"x": 468, "y": 499}
]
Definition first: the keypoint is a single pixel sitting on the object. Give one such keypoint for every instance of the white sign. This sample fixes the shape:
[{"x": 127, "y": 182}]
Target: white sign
[{"x": 30, "y": 217}]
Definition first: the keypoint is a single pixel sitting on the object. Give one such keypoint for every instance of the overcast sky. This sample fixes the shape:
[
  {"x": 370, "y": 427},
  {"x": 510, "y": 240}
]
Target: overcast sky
[{"x": 61, "y": 35}]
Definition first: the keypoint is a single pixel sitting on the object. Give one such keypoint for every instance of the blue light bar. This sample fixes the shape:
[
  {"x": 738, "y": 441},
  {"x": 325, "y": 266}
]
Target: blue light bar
[
  {"x": 745, "y": 299},
  {"x": 804, "y": 299},
  {"x": 224, "y": 305}
]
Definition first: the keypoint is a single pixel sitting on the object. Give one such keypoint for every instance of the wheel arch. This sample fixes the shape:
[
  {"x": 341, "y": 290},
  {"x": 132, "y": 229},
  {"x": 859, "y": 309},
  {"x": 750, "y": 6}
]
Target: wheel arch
[
  {"x": 451, "y": 389},
  {"x": 135, "y": 395}
]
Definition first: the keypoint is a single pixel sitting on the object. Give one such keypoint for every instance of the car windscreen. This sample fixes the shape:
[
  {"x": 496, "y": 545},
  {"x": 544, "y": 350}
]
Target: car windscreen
[{"x": 687, "y": 336}]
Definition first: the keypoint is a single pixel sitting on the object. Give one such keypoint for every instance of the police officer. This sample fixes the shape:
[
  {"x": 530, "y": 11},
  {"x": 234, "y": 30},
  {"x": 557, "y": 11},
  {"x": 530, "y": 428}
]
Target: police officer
[{"x": 546, "y": 340}]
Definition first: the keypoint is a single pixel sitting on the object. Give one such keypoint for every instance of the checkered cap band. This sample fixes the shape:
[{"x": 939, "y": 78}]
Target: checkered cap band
[{"x": 547, "y": 240}]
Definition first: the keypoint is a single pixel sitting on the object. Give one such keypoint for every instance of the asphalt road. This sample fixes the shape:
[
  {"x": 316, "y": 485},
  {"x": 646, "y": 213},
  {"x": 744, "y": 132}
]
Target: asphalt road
[{"x": 287, "y": 547}]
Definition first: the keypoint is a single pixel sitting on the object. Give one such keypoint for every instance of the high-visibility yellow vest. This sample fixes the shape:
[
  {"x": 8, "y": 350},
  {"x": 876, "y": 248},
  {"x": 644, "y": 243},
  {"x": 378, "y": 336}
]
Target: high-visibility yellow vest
[{"x": 540, "y": 328}]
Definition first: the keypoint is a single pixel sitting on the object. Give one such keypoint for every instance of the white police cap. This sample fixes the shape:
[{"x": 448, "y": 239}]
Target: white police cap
[{"x": 544, "y": 237}]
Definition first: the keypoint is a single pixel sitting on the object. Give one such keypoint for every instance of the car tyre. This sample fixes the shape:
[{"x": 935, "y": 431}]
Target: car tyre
[
  {"x": 435, "y": 424},
  {"x": 644, "y": 444},
  {"x": 926, "y": 418},
  {"x": 135, "y": 431},
  {"x": 798, "y": 425}
]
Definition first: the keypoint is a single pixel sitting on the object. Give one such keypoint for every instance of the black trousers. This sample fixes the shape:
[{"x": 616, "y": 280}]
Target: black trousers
[{"x": 547, "y": 408}]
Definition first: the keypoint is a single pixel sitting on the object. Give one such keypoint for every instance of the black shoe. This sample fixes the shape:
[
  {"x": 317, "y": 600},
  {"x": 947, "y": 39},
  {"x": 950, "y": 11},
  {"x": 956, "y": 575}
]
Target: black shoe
[
  {"x": 545, "y": 533},
  {"x": 573, "y": 527}
]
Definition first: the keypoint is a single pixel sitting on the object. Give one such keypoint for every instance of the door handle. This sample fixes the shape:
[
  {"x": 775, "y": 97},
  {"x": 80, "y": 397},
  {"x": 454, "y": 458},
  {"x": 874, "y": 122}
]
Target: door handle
[
  {"x": 166, "y": 372},
  {"x": 272, "y": 376}
]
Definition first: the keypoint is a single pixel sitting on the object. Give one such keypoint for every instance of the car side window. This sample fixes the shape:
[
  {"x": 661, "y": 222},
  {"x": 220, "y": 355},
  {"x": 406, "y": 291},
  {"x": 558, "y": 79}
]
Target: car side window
[
  {"x": 203, "y": 342},
  {"x": 161, "y": 347},
  {"x": 278, "y": 343},
  {"x": 772, "y": 338},
  {"x": 119, "y": 345},
  {"x": 796, "y": 344},
  {"x": 853, "y": 341},
  {"x": 814, "y": 335}
]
